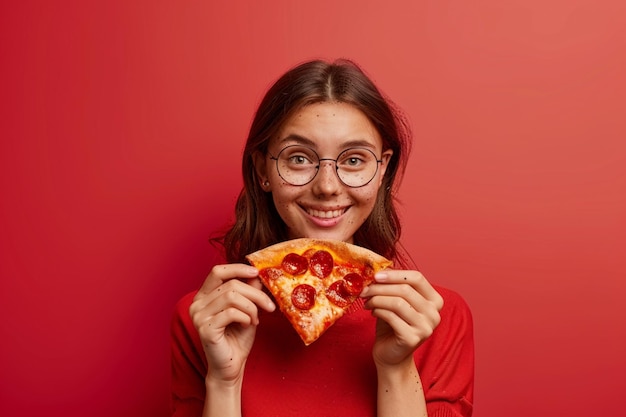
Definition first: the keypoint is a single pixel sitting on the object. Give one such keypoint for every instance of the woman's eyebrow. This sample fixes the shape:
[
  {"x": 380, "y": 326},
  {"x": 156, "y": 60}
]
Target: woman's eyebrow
[
  {"x": 354, "y": 143},
  {"x": 299, "y": 139},
  {"x": 358, "y": 143}
]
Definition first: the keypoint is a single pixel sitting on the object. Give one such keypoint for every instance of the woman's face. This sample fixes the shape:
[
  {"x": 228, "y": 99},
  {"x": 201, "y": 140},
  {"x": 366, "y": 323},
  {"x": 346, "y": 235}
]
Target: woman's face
[{"x": 325, "y": 207}]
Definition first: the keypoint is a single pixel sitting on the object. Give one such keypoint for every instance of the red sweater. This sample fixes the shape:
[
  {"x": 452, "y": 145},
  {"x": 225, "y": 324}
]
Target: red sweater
[{"x": 333, "y": 376}]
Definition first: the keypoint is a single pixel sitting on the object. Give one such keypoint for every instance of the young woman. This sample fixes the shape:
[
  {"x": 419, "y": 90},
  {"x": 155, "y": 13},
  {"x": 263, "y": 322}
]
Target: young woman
[{"x": 406, "y": 349}]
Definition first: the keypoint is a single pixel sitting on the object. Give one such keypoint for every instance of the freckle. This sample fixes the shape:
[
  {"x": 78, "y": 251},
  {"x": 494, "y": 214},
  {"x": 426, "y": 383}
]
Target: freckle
[{"x": 405, "y": 278}]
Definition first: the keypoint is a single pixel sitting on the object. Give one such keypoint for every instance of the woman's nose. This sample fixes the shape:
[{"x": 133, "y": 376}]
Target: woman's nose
[{"x": 326, "y": 181}]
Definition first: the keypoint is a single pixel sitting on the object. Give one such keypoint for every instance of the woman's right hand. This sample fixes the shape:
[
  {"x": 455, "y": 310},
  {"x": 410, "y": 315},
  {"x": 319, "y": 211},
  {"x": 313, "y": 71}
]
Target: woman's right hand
[{"x": 225, "y": 311}]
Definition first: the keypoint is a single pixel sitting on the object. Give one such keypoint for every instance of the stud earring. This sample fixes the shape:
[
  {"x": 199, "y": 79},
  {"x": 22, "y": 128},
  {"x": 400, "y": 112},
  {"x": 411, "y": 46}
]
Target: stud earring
[{"x": 266, "y": 183}]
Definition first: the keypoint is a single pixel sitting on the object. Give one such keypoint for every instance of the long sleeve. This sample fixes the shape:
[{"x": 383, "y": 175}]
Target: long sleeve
[
  {"x": 446, "y": 361},
  {"x": 188, "y": 364}
]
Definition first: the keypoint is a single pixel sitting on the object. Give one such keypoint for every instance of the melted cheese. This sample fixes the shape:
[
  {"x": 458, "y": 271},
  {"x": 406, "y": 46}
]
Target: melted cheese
[{"x": 316, "y": 320}]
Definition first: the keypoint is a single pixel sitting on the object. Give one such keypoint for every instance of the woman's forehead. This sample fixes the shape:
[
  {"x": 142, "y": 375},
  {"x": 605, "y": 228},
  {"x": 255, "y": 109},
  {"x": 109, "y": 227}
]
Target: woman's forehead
[{"x": 328, "y": 125}]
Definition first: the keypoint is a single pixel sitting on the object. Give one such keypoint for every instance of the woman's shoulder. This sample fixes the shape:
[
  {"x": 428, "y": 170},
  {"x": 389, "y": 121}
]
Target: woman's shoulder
[
  {"x": 181, "y": 317},
  {"x": 185, "y": 301},
  {"x": 455, "y": 333},
  {"x": 451, "y": 295},
  {"x": 454, "y": 305}
]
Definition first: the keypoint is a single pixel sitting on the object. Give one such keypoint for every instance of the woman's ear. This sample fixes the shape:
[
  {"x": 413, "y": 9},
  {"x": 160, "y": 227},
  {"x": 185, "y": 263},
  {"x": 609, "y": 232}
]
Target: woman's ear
[
  {"x": 260, "y": 166},
  {"x": 385, "y": 158}
]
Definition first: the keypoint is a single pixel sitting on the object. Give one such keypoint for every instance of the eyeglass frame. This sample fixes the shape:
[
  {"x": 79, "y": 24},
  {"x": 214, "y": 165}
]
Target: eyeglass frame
[{"x": 319, "y": 164}]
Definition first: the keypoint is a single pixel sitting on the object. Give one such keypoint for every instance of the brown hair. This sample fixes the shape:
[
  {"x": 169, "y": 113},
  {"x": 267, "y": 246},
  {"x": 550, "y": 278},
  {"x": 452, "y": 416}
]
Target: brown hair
[{"x": 257, "y": 223}]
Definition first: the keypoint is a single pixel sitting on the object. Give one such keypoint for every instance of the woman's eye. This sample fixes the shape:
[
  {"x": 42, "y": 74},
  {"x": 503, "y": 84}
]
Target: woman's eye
[
  {"x": 354, "y": 161},
  {"x": 298, "y": 159}
]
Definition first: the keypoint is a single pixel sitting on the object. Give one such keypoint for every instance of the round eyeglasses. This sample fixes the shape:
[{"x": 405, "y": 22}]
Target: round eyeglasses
[{"x": 298, "y": 165}]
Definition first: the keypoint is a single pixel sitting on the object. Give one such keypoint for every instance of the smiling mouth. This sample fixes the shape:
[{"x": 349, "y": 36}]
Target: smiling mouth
[{"x": 329, "y": 214}]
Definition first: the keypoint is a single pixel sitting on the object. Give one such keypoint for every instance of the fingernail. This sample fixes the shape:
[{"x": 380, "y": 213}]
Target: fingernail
[{"x": 381, "y": 276}]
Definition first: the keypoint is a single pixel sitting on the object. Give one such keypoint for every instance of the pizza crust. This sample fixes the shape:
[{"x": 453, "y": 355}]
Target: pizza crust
[{"x": 346, "y": 251}]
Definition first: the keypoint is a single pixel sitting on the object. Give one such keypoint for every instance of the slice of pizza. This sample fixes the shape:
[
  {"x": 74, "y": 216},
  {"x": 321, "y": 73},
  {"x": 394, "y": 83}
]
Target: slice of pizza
[{"x": 315, "y": 281}]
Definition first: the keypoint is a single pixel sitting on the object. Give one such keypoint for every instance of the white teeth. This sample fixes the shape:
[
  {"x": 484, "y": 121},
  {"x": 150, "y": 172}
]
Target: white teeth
[{"x": 325, "y": 214}]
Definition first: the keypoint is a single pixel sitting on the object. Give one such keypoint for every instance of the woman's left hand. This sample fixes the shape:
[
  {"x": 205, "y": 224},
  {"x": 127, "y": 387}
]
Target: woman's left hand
[{"x": 407, "y": 308}]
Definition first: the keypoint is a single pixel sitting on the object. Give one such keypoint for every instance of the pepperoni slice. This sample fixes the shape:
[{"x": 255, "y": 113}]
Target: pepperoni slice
[
  {"x": 353, "y": 283},
  {"x": 295, "y": 264},
  {"x": 303, "y": 297},
  {"x": 270, "y": 273},
  {"x": 321, "y": 264},
  {"x": 338, "y": 295}
]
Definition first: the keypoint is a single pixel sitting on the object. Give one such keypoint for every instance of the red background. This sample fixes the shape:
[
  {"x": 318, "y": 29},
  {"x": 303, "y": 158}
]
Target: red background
[{"x": 122, "y": 125}]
